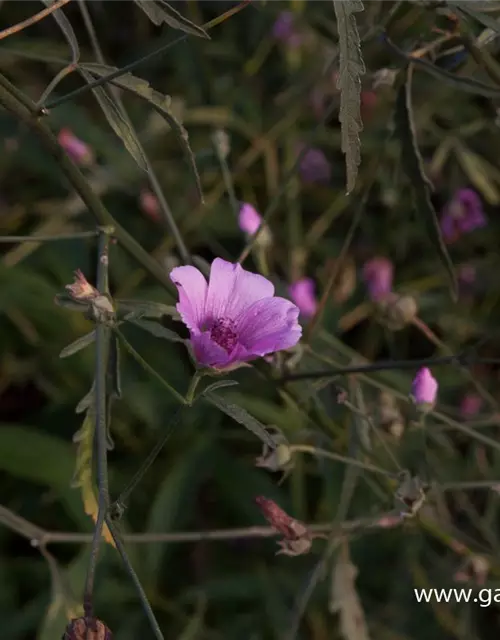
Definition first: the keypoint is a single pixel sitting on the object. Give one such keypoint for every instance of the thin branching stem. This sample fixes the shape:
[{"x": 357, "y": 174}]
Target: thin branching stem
[
  {"x": 388, "y": 365},
  {"x": 27, "y": 115},
  {"x": 67, "y": 236},
  {"x": 165, "y": 210},
  {"x": 140, "y": 61},
  {"x": 101, "y": 359},
  {"x": 33, "y": 19},
  {"x": 315, "y": 451}
]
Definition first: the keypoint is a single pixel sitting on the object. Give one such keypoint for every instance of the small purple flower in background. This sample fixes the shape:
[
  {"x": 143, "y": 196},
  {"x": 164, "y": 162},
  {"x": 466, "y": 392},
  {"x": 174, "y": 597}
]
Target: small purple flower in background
[
  {"x": 77, "y": 150},
  {"x": 314, "y": 166},
  {"x": 303, "y": 293},
  {"x": 424, "y": 390},
  {"x": 284, "y": 30},
  {"x": 470, "y": 405},
  {"x": 378, "y": 275},
  {"x": 149, "y": 205},
  {"x": 463, "y": 213},
  {"x": 234, "y": 318},
  {"x": 249, "y": 220}
]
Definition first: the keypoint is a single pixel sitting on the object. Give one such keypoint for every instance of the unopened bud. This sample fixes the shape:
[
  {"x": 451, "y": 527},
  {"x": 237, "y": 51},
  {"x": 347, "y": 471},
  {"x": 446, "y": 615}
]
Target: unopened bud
[
  {"x": 277, "y": 458},
  {"x": 87, "y": 629}
]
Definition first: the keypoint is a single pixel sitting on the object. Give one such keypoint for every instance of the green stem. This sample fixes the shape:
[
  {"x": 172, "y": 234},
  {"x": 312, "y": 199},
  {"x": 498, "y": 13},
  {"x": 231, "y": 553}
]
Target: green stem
[
  {"x": 102, "y": 350},
  {"x": 24, "y": 113},
  {"x": 198, "y": 375},
  {"x": 147, "y": 367},
  {"x": 304, "y": 448}
]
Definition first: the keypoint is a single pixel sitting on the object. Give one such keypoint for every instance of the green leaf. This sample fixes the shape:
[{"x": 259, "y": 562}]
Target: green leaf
[
  {"x": 421, "y": 186},
  {"x": 65, "y": 301},
  {"x": 156, "y": 329},
  {"x": 458, "y": 82},
  {"x": 351, "y": 68},
  {"x": 117, "y": 122},
  {"x": 67, "y": 29},
  {"x": 159, "y": 102},
  {"x": 241, "y": 416},
  {"x": 27, "y": 453},
  {"x": 78, "y": 345},
  {"x": 175, "y": 502},
  {"x": 168, "y": 15}
]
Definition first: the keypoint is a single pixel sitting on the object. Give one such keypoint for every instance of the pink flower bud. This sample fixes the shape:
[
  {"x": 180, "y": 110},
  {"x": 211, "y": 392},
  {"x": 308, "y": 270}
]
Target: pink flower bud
[
  {"x": 249, "y": 220},
  {"x": 149, "y": 205},
  {"x": 77, "y": 150},
  {"x": 378, "y": 275},
  {"x": 303, "y": 294},
  {"x": 424, "y": 389}
]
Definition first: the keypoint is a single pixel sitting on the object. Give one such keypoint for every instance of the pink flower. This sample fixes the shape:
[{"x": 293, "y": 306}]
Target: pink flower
[
  {"x": 284, "y": 30},
  {"x": 470, "y": 405},
  {"x": 234, "y": 318},
  {"x": 149, "y": 205},
  {"x": 314, "y": 166},
  {"x": 302, "y": 293},
  {"x": 424, "y": 389},
  {"x": 463, "y": 213},
  {"x": 249, "y": 220},
  {"x": 378, "y": 274},
  {"x": 77, "y": 150}
]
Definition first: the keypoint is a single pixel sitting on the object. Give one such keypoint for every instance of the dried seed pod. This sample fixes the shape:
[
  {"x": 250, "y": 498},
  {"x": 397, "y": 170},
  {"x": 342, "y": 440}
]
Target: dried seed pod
[
  {"x": 396, "y": 312},
  {"x": 87, "y": 629}
]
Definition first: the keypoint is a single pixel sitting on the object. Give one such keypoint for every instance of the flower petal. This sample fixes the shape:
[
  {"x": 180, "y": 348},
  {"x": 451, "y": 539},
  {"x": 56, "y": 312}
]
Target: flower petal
[
  {"x": 192, "y": 288},
  {"x": 207, "y": 352},
  {"x": 232, "y": 290},
  {"x": 269, "y": 325}
]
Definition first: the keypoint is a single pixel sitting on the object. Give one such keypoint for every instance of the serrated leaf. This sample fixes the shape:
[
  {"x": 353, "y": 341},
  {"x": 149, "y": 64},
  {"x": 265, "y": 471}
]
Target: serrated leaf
[
  {"x": 344, "y": 599},
  {"x": 168, "y": 15},
  {"x": 414, "y": 169},
  {"x": 461, "y": 83},
  {"x": 242, "y": 417},
  {"x": 351, "y": 68},
  {"x": 156, "y": 329},
  {"x": 159, "y": 102},
  {"x": 83, "y": 470},
  {"x": 67, "y": 29},
  {"x": 78, "y": 345},
  {"x": 117, "y": 122}
]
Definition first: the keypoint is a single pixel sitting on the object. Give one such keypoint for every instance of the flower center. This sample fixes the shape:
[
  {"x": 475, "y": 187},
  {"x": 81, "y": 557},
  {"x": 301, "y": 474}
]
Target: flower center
[{"x": 224, "y": 334}]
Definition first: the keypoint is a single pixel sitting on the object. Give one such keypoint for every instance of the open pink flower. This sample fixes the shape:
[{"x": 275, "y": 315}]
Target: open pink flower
[
  {"x": 303, "y": 294},
  {"x": 234, "y": 318}
]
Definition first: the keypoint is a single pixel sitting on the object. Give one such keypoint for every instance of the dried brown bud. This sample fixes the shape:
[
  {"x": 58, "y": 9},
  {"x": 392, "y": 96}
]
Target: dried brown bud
[
  {"x": 396, "y": 311},
  {"x": 410, "y": 494},
  {"x": 81, "y": 289},
  {"x": 297, "y": 538},
  {"x": 278, "y": 457},
  {"x": 87, "y": 629}
]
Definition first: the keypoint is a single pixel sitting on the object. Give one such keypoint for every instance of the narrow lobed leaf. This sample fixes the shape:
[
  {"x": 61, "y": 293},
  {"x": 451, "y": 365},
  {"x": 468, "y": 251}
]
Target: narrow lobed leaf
[
  {"x": 160, "y": 11},
  {"x": 159, "y": 102},
  {"x": 351, "y": 68},
  {"x": 78, "y": 345}
]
